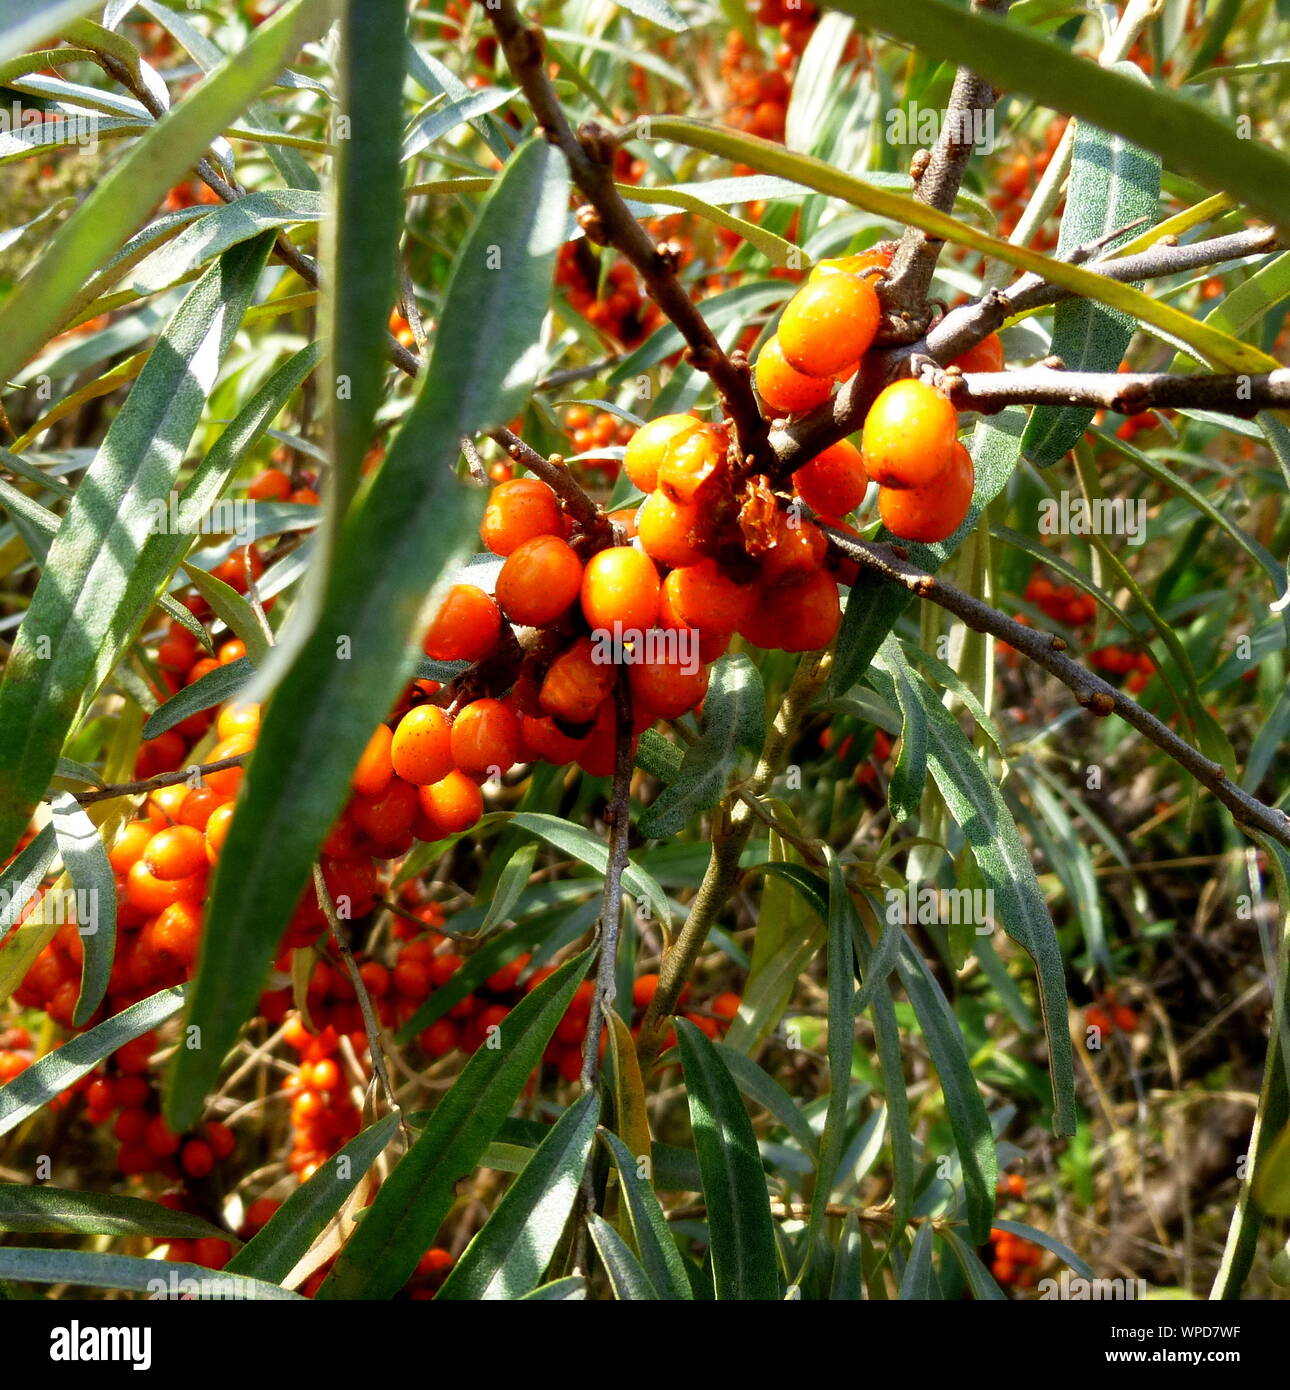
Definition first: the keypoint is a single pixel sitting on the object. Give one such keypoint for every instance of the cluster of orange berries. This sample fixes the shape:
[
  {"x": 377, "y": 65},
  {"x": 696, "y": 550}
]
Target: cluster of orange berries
[
  {"x": 1119, "y": 661},
  {"x": 192, "y": 194},
  {"x": 610, "y": 299},
  {"x": 275, "y": 485},
  {"x": 757, "y": 96},
  {"x": 1061, "y": 602},
  {"x": 1109, "y": 1017},
  {"x": 866, "y": 771},
  {"x": 16, "y": 1054},
  {"x": 589, "y": 431},
  {"x": 909, "y": 443},
  {"x": 323, "y": 1116},
  {"x": 1013, "y": 1260}
]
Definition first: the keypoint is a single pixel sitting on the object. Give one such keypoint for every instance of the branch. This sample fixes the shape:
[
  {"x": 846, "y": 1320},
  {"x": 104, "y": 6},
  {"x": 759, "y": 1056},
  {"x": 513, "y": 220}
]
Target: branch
[
  {"x": 904, "y": 291},
  {"x": 162, "y": 779},
  {"x": 1126, "y": 393},
  {"x": 1099, "y": 697},
  {"x": 608, "y": 221}
]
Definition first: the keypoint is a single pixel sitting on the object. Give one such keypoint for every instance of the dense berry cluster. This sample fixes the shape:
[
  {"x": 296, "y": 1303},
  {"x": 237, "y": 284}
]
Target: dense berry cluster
[{"x": 1013, "y": 1259}]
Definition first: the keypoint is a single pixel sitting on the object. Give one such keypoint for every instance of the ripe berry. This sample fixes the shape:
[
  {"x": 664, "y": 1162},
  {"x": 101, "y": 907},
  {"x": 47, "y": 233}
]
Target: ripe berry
[
  {"x": 151, "y": 894},
  {"x": 985, "y": 356},
  {"x": 648, "y": 448},
  {"x": 908, "y": 435},
  {"x": 702, "y": 597},
  {"x": 197, "y": 807},
  {"x": 930, "y": 513},
  {"x": 421, "y": 749},
  {"x": 834, "y": 482},
  {"x": 375, "y": 767},
  {"x": 466, "y": 626},
  {"x": 539, "y": 580},
  {"x": 172, "y": 938},
  {"x": 270, "y": 486},
  {"x": 666, "y": 688},
  {"x": 159, "y": 1137},
  {"x": 129, "y": 847},
  {"x": 452, "y": 804},
  {"x": 440, "y": 1038},
  {"x": 798, "y": 551},
  {"x": 196, "y": 1158},
  {"x": 389, "y": 818},
  {"x": 217, "y": 830},
  {"x": 227, "y": 781},
  {"x": 575, "y": 683},
  {"x": 783, "y": 387},
  {"x": 665, "y": 530},
  {"x": 176, "y": 852},
  {"x": 516, "y": 512},
  {"x": 643, "y": 990},
  {"x": 800, "y": 617},
  {"x": 829, "y": 324},
  {"x": 485, "y": 735},
  {"x": 620, "y": 585},
  {"x": 690, "y": 463}
]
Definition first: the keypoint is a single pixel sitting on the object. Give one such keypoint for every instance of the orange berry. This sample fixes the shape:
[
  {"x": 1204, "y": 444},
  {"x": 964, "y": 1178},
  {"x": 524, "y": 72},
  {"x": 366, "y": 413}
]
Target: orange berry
[
  {"x": 305, "y": 497},
  {"x": 229, "y": 652},
  {"x": 834, "y": 482},
  {"x": 217, "y": 830},
  {"x": 643, "y": 990},
  {"x": 129, "y": 847},
  {"x": 440, "y": 1038},
  {"x": 985, "y": 356},
  {"x": 649, "y": 447},
  {"x": 666, "y": 688},
  {"x": 909, "y": 435},
  {"x": 172, "y": 937},
  {"x": 829, "y": 324},
  {"x": 150, "y": 894},
  {"x": 702, "y": 597},
  {"x": 576, "y": 683},
  {"x": 270, "y": 486},
  {"x": 798, "y": 551},
  {"x": 539, "y": 580},
  {"x": 801, "y": 617},
  {"x": 620, "y": 585},
  {"x": 689, "y": 463},
  {"x": 227, "y": 781},
  {"x": 665, "y": 529},
  {"x": 375, "y": 766},
  {"x": 196, "y": 1158},
  {"x": 421, "y": 749},
  {"x": 930, "y": 513},
  {"x": 725, "y": 1005},
  {"x": 516, "y": 512},
  {"x": 485, "y": 735},
  {"x": 452, "y": 804},
  {"x": 238, "y": 719},
  {"x": 466, "y": 626},
  {"x": 175, "y": 852},
  {"x": 389, "y": 818},
  {"x": 783, "y": 387}
]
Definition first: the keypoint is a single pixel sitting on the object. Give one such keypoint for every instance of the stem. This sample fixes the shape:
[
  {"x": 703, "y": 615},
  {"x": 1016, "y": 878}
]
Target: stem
[{"x": 162, "y": 779}]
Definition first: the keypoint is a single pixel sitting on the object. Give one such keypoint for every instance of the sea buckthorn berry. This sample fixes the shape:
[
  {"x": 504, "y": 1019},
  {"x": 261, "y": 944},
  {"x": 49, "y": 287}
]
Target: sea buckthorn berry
[
  {"x": 930, "y": 513},
  {"x": 129, "y": 847},
  {"x": 801, "y": 617},
  {"x": 152, "y": 894},
  {"x": 440, "y": 1038},
  {"x": 160, "y": 1138},
  {"x": 272, "y": 485},
  {"x": 908, "y": 435},
  {"x": 829, "y": 324},
  {"x": 667, "y": 688},
  {"x": 236, "y": 719},
  {"x": 172, "y": 937},
  {"x": 305, "y": 497},
  {"x": 648, "y": 448},
  {"x": 389, "y": 817},
  {"x": 485, "y": 735},
  {"x": 421, "y": 749},
  {"x": 878, "y": 257},
  {"x": 541, "y": 739},
  {"x": 233, "y": 570},
  {"x": 702, "y": 597},
  {"x": 665, "y": 529},
  {"x": 227, "y": 781},
  {"x": 217, "y": 830},
  {"x": 196, "y": 1158},
  {"x": 539, "y": 580},
  {"x": 783, "y": 387},
  {"x": 452, "y": 804},
  {"x": 175, "y": 852},
  {"x": 644, "y": 989},
  {"x": 798, "y": 551},
  {"x": 231, "y": 651},
  {"x": 725, "y": 1006},
  {"x": 620, "y": 585},
  {"x": 466, "y": 626},
  {"x": 575, "y": 683},
  {"x": 375, "y": 766},
  {"x": 516, "y": 512},
  {"x": 689, "y": 464},
  {"x": 985, "y": 356},
  {"x": 834, "y": 482}
]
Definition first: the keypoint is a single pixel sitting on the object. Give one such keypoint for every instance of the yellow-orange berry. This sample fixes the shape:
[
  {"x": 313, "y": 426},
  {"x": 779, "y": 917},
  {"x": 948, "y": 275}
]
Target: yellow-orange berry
[
  {"x": 829, "y": 324},
  {"x": 576, "y": 683},
  {"x": 516, "y": 512},
  {"x": 647, "y": 450},
  {"x": 930, "y": 513},
  {"x": 539, "y": 580},
  {"x": 834, "y": 482},
  {"x": 908, "y": 435},
  {"x": 665, "y": 529},
  {"x": 620, "y": 585},
  {"x": 421, "y": 749},
  {"x": 783, "y": 387},
  {"x": 485, "y": 736},
  {"x": 465, "y": 627}
]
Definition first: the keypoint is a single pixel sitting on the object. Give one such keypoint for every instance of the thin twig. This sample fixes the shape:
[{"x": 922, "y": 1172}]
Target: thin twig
[
  {"x": 1125, "y": 393},
  {"x": 162, "y": 779},
  {"x": 1099, "y": 697}
]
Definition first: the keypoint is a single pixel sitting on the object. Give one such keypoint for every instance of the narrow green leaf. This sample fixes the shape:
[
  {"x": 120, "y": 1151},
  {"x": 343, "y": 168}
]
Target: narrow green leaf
[
  {"x": 393, "y": 559},
  {"x": 69, "y": 639},
  {"x": 741, "y": 1232},
  {"x": 23, "y": 875},
  {"x": 57, "y": 1070},
  {"x": 916, "y": 1282},
  {"x": 38, "y": 1209},
  {"x": 212, "y": 689},
  {"x": 734, "y": 726},
  {"x": 399, "y": 1226},
  {"x": 85, "y": 858},
  {"x": 662, "y": 1262},
  {"x": 505, "y": 1259},
  {"x": 84, "y": 1267},
  {"x": 571, "y": 1289},
  {"x": 628, "y": 1280},
  {"x": 512, "y": 882},
  {"x": 275, "y": 1250}
]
